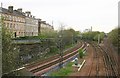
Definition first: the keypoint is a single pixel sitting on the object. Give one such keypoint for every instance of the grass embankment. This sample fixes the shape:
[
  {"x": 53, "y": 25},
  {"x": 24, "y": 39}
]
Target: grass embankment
[{"x": 63, "y": 71}]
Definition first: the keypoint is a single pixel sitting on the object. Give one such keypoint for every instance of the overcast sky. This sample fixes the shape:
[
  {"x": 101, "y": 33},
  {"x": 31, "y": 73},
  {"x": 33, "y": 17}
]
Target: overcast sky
[{"x": 102, "y": 15}]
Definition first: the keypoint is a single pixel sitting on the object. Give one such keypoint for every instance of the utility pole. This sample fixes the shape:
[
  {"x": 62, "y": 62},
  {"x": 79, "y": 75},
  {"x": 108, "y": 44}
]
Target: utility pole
[
  {"x": 91, "y": 28},
  {"x": 61, "y": 47},
  {"x": 52, "y": 23},
  {"x": 61, "y": 52}
]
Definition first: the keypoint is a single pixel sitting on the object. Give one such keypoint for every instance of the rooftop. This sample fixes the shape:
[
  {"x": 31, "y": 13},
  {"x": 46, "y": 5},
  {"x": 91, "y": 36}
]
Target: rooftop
[{"x": 15, "y": 12}]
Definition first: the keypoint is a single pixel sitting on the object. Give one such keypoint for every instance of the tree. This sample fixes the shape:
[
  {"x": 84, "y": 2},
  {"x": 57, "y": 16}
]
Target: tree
[
  {"x": 100, "y": 35},
  {"x": 93, "y": 35},
  {"x": 50, "y": 34},
  {"x": 69, "y": 36},
  {"x": 9, "y": 51},
  {"x": 113, "y": 36}
]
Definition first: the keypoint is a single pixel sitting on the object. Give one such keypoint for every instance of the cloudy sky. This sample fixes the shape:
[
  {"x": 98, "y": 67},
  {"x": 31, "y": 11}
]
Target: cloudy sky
[{"x": 102, "y": 15}]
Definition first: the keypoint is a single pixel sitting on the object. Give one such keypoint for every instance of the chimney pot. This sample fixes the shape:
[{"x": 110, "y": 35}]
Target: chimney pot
[
  {"x": 20, "y": 10},
  {"x": 28, "y": 13},
  {"x": 10, "y": 8}
]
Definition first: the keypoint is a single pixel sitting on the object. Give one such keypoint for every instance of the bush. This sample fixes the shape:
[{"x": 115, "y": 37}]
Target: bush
[
  {"x": 81, "y": 54},
  {"x": 53, "y": 49}
]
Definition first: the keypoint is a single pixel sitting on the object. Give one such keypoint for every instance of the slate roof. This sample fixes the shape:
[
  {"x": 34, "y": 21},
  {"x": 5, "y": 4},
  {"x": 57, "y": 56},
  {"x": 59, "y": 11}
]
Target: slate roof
[{"x": 14, "y": 13}]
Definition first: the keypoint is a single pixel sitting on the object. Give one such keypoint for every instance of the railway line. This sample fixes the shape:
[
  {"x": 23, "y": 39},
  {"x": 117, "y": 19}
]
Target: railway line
[
  {"x": 113, "y": 59},
  {"x": 40, "y": 68},
  {"x": 94, "y": 69},
  {"x": 103, "y": 63},
  {"x": 110, "y": 64},
  {"x": 53, "y": 57}
]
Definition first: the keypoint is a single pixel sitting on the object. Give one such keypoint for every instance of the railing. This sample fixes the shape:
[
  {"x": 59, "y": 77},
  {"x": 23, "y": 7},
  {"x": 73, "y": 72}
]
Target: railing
[{"x": 26, "y": 41}]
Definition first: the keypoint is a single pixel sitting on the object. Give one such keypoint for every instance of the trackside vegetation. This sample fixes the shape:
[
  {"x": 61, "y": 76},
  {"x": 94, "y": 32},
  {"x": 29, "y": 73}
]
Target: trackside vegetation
[
  {"x": 64, "y": 71},
  {"x": 93, "y": 35},
  {"x": 81, "y": 53}
]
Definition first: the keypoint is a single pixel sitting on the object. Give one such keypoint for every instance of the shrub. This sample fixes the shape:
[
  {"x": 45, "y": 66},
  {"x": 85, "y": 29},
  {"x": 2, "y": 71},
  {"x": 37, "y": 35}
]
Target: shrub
[{"x": 81, "y": 54}]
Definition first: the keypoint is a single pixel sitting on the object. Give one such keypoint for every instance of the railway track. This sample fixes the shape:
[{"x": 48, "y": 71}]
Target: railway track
[
  {"x": 94, "y": 69},
  {"x": 108, "y": 61},
  {"x": 114, "y": 60},
  {"x": 53, "y": 57},
  {"x": 110, "y": 64},
  {"x": 40, "y": 68}
]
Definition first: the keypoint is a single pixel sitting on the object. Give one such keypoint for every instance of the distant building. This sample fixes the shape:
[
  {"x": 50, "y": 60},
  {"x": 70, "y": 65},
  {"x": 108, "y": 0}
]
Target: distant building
[
  {"x": 87, "y": 30},
  {"x": 31, "y": 25},
  {"x": 45, "y": 27},
  {"x": 14, "y": 20}
]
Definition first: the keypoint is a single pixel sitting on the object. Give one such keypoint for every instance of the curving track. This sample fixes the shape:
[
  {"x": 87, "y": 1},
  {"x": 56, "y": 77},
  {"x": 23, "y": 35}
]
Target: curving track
[{"x": 40, "y": 68}]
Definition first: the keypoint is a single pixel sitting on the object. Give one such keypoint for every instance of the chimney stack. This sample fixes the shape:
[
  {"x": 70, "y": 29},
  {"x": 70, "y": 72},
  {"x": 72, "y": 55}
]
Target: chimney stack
[
  {"x": 28, "y": 13},
  {"x": 10, "y": 8},
  {"x": 44, "y": 22},
  {"x": 39, "y": 19},
  {"x": 33, "y": 16},
  {"x": 19, "y": 10}
]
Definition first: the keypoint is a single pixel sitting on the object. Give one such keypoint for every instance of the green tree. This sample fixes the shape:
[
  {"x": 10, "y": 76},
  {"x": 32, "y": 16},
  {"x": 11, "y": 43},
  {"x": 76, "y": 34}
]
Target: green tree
[
  {"x": 102, "y": 35},
  {"x": 113, "y": 36},
  {"x": 93, "y": 35},
  {"x": 50, "y": 34},
  {"x": 68, "y": 36},
  {"x": 9, "y": 51}
]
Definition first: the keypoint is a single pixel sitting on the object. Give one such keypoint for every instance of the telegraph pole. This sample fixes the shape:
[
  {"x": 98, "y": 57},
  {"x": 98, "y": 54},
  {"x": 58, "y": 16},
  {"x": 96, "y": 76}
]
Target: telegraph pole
[
  {"x": 52, "y": 23},
  {"x": 61, "y": 47}
]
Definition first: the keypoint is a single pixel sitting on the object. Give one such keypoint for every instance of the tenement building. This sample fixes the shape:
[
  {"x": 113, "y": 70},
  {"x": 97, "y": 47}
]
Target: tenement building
[
  {"x": 24, "y": 23},
  {"x": 31, "y": 25},
  {"x": 14, "y": 20}
]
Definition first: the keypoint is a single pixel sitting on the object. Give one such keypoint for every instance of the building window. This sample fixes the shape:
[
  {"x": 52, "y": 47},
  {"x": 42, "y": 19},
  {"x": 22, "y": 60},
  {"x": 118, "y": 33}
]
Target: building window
[
  {"x": 10, "y": 25},
  {"x": 14, "y": 26},
  {"x": 5, "y": 24},
  {"x": 6, "y": 17},
  {"x": 9, "y": 17},
  {"x": 12, "y": 18}
]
